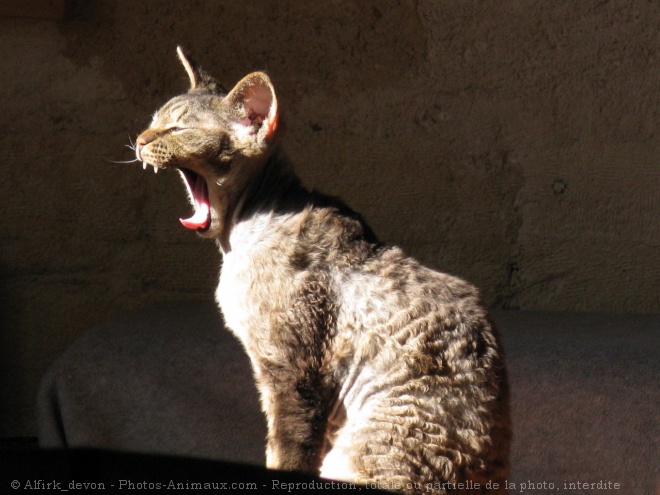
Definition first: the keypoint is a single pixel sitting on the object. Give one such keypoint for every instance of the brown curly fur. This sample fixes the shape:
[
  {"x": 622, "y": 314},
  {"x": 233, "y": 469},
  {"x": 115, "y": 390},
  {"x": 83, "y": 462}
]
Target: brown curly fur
[{"x": 371, "y": 367}]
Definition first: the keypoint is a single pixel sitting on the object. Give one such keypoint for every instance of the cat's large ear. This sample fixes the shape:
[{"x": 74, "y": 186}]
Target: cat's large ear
[
  {"x": 200, "y": 80},
  {"x": 253, "y": 108}
]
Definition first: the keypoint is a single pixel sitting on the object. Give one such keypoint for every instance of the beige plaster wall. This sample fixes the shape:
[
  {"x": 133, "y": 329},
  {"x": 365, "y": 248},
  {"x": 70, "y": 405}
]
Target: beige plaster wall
[{"x": 514, "y": 143}]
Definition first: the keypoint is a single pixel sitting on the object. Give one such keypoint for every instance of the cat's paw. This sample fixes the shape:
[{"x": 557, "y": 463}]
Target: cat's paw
[{"x": 338, "y": 466}]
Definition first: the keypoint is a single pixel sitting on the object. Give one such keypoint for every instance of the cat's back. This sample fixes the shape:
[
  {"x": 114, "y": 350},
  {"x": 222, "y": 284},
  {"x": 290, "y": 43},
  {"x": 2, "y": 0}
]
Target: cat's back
[{"x": 389, "y": 289}]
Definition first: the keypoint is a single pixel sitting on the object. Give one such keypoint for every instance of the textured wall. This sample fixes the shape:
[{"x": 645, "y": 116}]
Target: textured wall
[{"x": 512, "y": 143}]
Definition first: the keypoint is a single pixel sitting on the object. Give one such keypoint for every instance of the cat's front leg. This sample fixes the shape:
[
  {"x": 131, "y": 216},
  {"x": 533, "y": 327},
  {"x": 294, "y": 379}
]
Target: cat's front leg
[
  {"x": 296, "y": 412},
  {"x": 291, "y": 355},
  {"x": 272, "y": 447}
]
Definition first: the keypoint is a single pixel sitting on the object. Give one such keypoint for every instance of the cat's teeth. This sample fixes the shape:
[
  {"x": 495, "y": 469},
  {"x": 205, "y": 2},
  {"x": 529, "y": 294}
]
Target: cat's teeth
[
  {"x": 144, "y": 165},
  {"x": 155, "y": 170}
]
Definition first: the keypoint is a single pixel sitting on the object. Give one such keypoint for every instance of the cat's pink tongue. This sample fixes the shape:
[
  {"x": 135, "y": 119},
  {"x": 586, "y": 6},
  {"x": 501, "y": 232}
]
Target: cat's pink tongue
[
  {"x": 202, "y": 216},
  {"x": 199, "y": 220}
]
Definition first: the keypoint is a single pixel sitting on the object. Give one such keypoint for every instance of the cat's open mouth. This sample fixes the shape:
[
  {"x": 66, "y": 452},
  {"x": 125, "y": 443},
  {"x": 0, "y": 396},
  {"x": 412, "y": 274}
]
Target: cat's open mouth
[{"x": 201, "y": 218}]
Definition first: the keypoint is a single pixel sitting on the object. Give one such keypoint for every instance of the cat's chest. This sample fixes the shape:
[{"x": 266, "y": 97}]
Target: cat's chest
[
  {"x": 232, "y": 293},
  {"x": 255, "y": 279}
]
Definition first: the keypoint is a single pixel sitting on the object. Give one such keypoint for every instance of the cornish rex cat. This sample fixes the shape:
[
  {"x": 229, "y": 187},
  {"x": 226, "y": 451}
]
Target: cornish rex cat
[{"x": 371, "y": 367}]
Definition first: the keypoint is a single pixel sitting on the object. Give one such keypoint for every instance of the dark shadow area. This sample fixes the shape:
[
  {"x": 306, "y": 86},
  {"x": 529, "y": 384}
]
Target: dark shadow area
[{"x": 89, "y": 469}]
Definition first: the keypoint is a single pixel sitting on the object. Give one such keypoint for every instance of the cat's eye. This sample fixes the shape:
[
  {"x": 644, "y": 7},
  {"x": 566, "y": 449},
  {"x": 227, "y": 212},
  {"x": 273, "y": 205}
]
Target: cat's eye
[{"x": 175, "y": 129}]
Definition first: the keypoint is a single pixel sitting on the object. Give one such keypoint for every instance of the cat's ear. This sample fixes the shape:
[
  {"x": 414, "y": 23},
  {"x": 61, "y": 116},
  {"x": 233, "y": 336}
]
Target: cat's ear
[
  {"x": 253, "y": 108},
  {"x": 200, "y": 80}
]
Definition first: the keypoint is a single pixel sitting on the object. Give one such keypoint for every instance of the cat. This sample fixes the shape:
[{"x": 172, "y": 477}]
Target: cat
[{"x": 371, "y": 368}]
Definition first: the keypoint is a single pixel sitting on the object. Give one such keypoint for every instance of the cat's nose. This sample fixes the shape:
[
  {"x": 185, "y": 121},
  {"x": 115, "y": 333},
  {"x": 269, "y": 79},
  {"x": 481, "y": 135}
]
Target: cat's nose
[
  {"x": 142, "y": 140},
  {"x": 146, "y": 137}
]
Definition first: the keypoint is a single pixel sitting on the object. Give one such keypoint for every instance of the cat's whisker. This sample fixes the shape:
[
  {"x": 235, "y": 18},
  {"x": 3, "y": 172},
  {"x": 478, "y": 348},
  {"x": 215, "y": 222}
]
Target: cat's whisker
[{"x": 122, "y": 161}]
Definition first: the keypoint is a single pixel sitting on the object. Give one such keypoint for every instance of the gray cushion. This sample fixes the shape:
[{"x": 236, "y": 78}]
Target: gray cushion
[{"x": 170, "y": 380}]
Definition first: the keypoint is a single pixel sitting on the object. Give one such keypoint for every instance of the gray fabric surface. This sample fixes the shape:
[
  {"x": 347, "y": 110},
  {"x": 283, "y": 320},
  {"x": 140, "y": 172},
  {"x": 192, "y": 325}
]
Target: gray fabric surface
[
  {"x": 170, "y": 380},
  {"x": 584, "y": 397},
  {"x": 166, "y": 380}
]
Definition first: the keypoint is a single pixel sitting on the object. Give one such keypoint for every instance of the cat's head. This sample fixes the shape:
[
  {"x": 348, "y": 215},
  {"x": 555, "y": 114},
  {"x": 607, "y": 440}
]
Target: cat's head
[{"x": 217, "y": 140}]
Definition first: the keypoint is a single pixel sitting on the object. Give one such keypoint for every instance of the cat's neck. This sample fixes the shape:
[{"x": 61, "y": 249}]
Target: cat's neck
[{"x": 277, "y": 189}]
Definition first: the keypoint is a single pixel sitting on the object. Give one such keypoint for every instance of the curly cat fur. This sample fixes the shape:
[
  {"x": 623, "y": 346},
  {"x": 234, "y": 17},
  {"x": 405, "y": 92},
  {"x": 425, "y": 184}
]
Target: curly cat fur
[{"x": 371, "y": 368}]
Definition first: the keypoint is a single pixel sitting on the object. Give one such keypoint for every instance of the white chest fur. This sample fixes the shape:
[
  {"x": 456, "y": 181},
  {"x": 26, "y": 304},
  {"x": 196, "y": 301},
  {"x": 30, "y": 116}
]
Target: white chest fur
[
  {"x": 253, "y": 274},
  {"x": 231, "y": 293}
]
